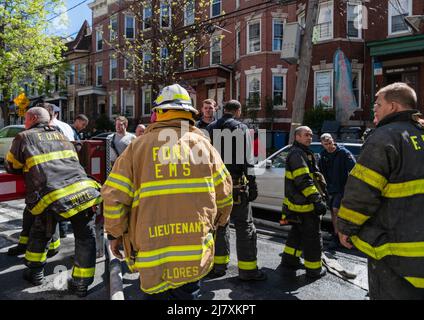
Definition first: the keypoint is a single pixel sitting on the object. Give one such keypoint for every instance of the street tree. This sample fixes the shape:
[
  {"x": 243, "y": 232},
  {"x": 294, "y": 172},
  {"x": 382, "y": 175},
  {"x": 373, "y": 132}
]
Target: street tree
[{"x": 27, "y": 53}]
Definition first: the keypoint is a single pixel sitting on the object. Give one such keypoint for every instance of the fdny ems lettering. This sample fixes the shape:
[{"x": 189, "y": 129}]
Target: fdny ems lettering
[
  {"x": 175, "y": 161},
  {"x": 417, "y": 142},
  {"x": 181, "y": 272},
  {"x": 175, "y": 228}
]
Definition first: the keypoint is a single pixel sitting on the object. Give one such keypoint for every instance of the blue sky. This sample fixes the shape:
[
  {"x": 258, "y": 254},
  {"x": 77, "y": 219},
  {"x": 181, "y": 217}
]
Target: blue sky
[{"x": 69, "y": 22}]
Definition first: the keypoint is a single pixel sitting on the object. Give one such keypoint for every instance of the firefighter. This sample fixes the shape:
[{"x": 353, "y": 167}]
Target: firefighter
[
  {"x": 382, "y": 209},
  {"x": 57, "y": 188},
  {"x": 303, "y": 207},
  {"x": 164, "y": 198},
  {"x": 244, "y": 191}
]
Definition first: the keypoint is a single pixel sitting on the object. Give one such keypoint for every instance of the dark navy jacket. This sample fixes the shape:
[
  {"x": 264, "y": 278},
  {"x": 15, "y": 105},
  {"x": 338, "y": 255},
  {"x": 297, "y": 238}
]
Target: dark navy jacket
[{"x": 336, "y": 167}]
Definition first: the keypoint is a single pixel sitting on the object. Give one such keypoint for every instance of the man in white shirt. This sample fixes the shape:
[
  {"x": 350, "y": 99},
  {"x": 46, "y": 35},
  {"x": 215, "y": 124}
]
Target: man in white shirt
[{"x": 121, "y": 139}]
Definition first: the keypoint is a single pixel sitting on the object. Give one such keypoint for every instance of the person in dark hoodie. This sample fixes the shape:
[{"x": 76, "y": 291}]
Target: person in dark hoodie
[{"x": 335, "y": 163}]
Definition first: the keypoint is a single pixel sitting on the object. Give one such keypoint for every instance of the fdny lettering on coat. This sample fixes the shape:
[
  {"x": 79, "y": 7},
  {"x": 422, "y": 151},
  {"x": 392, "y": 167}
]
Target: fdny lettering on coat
[
  {"x": 50, "y": 136},
  {"x": 171, "y": 162},
  {"x": 175, "y": 228},
  {"x": 417, "y": 142}
]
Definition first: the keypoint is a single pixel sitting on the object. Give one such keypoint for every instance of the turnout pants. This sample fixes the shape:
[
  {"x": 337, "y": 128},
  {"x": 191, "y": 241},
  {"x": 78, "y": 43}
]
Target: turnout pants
[
  {"x": 241, "y": 216},
  {"x": 305, "y": 238},
  {"x": 385, "y": 284},
  {"x": 27, "y": 221},
  {"x": 85, "y": 243}
]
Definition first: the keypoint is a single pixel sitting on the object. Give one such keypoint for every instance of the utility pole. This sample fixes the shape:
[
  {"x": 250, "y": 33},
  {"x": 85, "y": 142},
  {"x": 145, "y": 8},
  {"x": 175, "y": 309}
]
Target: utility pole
[{"x": 304, "y": 68}]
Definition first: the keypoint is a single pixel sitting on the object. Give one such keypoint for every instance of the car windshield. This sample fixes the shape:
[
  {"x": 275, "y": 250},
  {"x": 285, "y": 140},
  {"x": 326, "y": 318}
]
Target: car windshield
[
  {"x": 13, "y": 131},
  {"x": 3, "y": 132}
]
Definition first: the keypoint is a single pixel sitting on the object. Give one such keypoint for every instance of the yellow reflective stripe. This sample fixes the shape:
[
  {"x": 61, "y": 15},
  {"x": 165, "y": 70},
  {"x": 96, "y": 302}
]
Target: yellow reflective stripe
[
  {"x": 53, "y": 196},
  {"x": 298, "y": 207},
  {"x": 113, "y": 212},
  {"x": 309, "y": 190},
  {"x": 301, "y": 171},
  {"x": 403, "y": 249},
  {"x": 403, "y": 189},
  {"x": 292, "y": 251},
  {"x": 130, "y": 264},
  {"x": 35, "y": 256},
  {"x": 54, "y": 245},
  {"x": 78, "y": 272},
  {"x": 81, "y": 207},
  {"x": 41, "y": 158},
  {"x": 352, "y": 216},
  {"x": 222, "y": 173},
  {"x": 289, "y": 175},
  {"x": 120, "y": 183},
  {"x": 15, "y": 163},
  {"x": 148, "y": 259},
  {"x": 247, "y": 265},
  {"x": 370, "y": 177},
  {"x": 228, "y": 201},
  {"x": 23, "y": 240},
  {"x": 416, "y": 282},
  {"x": 312, "y": 264},
  {"x": 221, "y": 259},
  {"x": 175, "y": 97}
]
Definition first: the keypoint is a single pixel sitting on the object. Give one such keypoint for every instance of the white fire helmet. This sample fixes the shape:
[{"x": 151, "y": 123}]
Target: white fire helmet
[{"x": 174, "y": 97}]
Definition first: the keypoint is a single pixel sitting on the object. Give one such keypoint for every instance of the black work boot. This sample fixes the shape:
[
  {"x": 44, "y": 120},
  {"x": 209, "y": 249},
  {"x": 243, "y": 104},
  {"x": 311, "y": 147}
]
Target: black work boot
[
  {"x": 80, "y": 290},
  {"x": 252, "y": 275},
  {"x": 316, "y": 274},
  {"x": 52, "y": 252},
  {"x": 34, "y": 276},
  {"x": 217, "y": 272},
  {"x": 17, "y": 250},
  {"x": 292, "y": 264}
]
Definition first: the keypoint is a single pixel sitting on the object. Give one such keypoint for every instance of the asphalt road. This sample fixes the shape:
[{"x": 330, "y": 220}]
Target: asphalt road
[{"x": 278, "y": 286}]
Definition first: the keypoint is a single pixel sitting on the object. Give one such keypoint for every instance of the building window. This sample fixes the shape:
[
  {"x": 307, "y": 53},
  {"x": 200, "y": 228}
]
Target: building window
[
  {"x": 237, "y": 4},
  {"x": 113, "y": 106},
  {"x": 216, "y": 46},
  {"x": 71, "y": 75},
  {"x": 278, "y": 91},
  {"x": 146, "y": 101},
  {"x": 356, "y": 86},
  {"x": 189, "y": 13},
  {"x": 398, "y": 10},
  {"x": 189, "y": 56},
  {"x": 147, "y": 17},
  {"x": 147, "y": 60},
  {"x": 253, "y": 92},
  {"x": 82, "y": 74},
  {"x": 129, "y": 27},
  {"x": 99, "y": 40},
  {"x": 324, "y": 27},
  {"x": 238, "y": 89},
  {"x": 277, "y": 34},
  {"x": 113, "y": 27},
  {"x": 301, "y": 19},
  {"x": 215, "y": 8},
  {"x": 128, "y": 70},
  {"x": 129, "y": 104},
  {"x": 254, "y": 37},
  {"x": 323, "y": 88},
  {"x": 113, "y": 69},
  {"x": 354, "y": 20},
  {"x": 99, "y": 74},
  {"x": 165, "y": 14},
  {"x": 238, "y": 44}
]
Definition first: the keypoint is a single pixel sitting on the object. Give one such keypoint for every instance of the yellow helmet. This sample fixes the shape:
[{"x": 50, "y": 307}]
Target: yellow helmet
[{"x": 174, "y": 97}]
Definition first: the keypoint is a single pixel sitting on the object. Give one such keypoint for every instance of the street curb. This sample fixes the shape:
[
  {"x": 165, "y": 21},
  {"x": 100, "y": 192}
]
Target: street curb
[{"x": 115, "y": 275}]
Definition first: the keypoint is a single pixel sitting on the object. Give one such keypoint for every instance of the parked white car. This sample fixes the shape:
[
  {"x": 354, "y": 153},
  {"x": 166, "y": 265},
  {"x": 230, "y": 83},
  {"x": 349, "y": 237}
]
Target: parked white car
[
  {"x": 270, "y": 175},
  {"x": 7, "y": 134}
]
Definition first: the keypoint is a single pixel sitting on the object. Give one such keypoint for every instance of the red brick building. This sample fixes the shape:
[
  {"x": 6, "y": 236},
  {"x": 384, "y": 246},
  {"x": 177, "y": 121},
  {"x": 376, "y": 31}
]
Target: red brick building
[{"x": 246, "y": 64}]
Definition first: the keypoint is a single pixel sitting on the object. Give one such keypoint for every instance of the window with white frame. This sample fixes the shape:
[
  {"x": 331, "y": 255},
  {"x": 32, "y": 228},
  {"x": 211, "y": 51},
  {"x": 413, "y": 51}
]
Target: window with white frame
[
  {"x": 324, "y": 27},
  {"x": 189, "y": 12},
  {"x": 356, "y": 86},
  {"x": 82, "y": 74},
  {"x": 279, "y": 91},
  {"x": 164, "y": 55},
  {"x": 216, "y": 50},
  {"x": 99, "y": 74},
  {"x": 323, "y": 88},
  {"x": 128, "y": 68},
  {"x": 113, "y": 68},
  {"x": 398, "y": 10},
  {"x": 147, "y": 60},
  {"x": 238, "y": 44},
  {"x": 277, "y": 34},
  {"x": 354, "y": 20},
  {"x": 146, "y": 101},
  {"x": 215, "y": 8},
  {"x": 129, "y": 104},
  {"x": 165, "y": 14},
  {"x": 113, "y": 106},
  {"x": 238, "y": 89},
  {"x": 253, "y": 84},
  {"x": 147, "y": 17},
  {"x": 237, "y": 4},
  {"x": 113, "y": 27},
  {"x": 99, "y": 40},
  {"x": 129, "y": 26},
  {"x": 254, "y": 37},
  {"x": 189, "y": 55}
]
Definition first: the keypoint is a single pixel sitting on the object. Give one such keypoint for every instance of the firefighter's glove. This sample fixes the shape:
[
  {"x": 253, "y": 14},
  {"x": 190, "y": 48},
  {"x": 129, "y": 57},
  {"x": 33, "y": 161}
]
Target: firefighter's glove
[
  {"x": 253, "y": 192},
  {"x": 320, "y": 208}
]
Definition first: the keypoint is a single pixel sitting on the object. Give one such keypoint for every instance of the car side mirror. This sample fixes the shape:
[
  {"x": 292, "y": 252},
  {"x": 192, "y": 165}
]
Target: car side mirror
[{"x": 268, "y": 164}]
